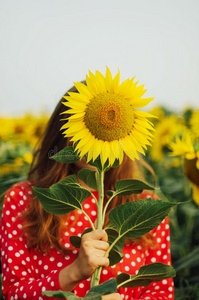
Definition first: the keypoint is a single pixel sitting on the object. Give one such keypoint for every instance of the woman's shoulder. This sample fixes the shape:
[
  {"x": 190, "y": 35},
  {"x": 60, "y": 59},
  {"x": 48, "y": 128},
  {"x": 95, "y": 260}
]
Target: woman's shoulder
[{"x": 19, "y": 195}]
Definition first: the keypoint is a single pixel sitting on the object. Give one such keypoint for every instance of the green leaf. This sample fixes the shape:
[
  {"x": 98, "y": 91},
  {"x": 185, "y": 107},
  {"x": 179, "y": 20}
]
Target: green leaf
[
  {"x": 71, "y": 180},
  {"x": 88, "y": 177},
  {"x": 60, "y": 198},
  {"x": 95, "y": 292},
  {"x": 67, "y": 155},
  {"x": 76, "y": 240},
  {"x": 134, "y": 219},
  {"x": 128, "y": 187},
  {"x": 97, "y": 163},
  {"x": 92, "y": 296},
  {"x": 105, "y": 288},
  {"x": 146, "y": 274},
  {"x": 61, "y": 295},
  {"x": 188, "y": 261},
  {"x": 115, "y": 255}
]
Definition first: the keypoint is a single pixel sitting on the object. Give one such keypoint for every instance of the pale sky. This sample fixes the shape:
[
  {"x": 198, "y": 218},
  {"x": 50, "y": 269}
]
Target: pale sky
[{"x": 47, "y": 45}]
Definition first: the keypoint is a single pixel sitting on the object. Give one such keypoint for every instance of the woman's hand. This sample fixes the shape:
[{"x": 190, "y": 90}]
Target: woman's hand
[
  {"x": 114, "y": 296},
  {"x": 91, "y": 256}
]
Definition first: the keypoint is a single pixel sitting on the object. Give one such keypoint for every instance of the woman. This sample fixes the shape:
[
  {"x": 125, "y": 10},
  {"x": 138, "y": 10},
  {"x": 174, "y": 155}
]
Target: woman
[{"x": 36, "y": 251}]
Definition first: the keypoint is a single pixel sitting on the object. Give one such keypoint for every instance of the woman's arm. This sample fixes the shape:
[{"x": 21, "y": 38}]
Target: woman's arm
[{"x": 91, "y": 256}]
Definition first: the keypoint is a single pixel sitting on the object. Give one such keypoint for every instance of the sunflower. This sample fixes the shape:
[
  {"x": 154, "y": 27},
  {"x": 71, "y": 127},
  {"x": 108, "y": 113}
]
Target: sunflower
[
  {"x": 184, "y": 147},
  {"x": 166, "y": 129},
  {"x": 194, "y": 122},
  {"x": 103, "y": 119}
]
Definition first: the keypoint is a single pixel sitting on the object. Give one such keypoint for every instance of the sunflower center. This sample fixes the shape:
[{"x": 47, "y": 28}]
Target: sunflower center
[{"x": 109, "y": 117}]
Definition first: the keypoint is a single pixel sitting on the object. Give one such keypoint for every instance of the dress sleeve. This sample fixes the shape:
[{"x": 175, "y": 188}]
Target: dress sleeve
[
  {"x": 163, "y": 290},
  {"x": 19, "y": 280}
]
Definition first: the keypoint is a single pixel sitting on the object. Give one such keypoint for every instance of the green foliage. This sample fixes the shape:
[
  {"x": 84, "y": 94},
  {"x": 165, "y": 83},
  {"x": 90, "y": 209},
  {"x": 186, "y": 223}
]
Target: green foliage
[
  {"x": 67, "y": 155},
  {"x": 188, "y": 261},
  {"x": 88, "y": 177},
  {"x": 146, "y": 275},
  {"x": 184, "y": 219},
  {"x": 76, "y": 240},
  {"x": 129, "y": 186},
  {"x": 134, "y": 219},
  {"x": 62, "y": 197},
  {"x": 97, "y": 163},
  {"x": 95, "y": 293},
  {"x": 184, "y": 224}
]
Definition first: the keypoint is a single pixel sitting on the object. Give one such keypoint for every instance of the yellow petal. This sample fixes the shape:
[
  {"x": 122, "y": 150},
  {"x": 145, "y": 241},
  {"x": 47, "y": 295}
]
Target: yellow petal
[
  {"x": 116, "y": 82},
  {"x": 100, "y": 82},
  {"x": 108, "y": 80},
  {"x": 196, "y": 194},
  {"x": 197, "y": 164},
  {"x": 144, "y": 114},
  {"x": 105, "y": 152},
  {"x": 91, "y": 84},
  {"x": 87, "y": 146},
  {"x": 144, "y": 124},
  {"x": 129, "y": 148},
  {"x": 83, "y": 89},
  {"x": 77, "y": 116},
  {"x": 138, "y": 103},
  {"x": 80, "y": 135},
  {"x": 77, "y": 97},
  {"x": 190, "y": 155},
  {"x": 94, "y": 151}
]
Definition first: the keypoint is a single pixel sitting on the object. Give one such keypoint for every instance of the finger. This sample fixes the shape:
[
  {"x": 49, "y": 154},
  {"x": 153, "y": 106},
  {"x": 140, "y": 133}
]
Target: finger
[
  {"x": 101, "y": 245},
  {"x": 113, "y": 296},
  {"x": 98, "y": 234},
  {"x": 99, "y": 253},
  {"x": 101, "y": 261}
]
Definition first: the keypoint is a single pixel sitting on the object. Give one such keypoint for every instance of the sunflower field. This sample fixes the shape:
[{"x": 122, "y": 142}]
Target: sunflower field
[{"x": 174, "y": 157}]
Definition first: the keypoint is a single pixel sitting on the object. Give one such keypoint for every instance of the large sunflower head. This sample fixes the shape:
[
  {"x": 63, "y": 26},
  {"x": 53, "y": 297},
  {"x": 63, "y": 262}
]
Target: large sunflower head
[{"x": 103, "y": 119}]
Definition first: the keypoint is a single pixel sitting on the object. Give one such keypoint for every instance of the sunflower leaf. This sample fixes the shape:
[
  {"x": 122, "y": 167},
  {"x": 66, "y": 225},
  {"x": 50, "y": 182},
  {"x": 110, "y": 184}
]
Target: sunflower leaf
[
  {"x": 115, "y": 255},
  {"x": 61, "y": 198},
  {"x": 75, "y": 241},
  {"x": 95, "y": 292},
  {"x": 129, "y": 186},
  {"x": 97, "y": 163},
  {"x": 105, "y": 288},
  {"x": 61, "y": 295},
  {"x": 67, "y": 155},
  {"x": 88, "y": 177},
  {"x": 71, "y": 180},
  {"x": 146, "y": 274},
  {"x": 134, "y": 219}
]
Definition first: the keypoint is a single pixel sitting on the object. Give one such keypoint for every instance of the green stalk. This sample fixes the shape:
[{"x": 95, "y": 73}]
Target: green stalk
[
  {"x": 106, "y": 206},
  {"x": 89, "y": 219},
  {"x": 100, "y": 184}
]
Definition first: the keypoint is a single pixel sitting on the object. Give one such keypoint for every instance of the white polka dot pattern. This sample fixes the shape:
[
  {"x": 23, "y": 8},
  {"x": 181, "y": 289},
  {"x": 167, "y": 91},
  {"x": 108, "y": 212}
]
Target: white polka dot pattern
[{"x": 27, "y": 273}]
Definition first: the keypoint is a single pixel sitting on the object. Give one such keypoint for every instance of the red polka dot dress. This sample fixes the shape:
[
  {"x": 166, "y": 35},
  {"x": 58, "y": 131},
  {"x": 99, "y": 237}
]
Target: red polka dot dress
[{"x": 27, "y": 272}]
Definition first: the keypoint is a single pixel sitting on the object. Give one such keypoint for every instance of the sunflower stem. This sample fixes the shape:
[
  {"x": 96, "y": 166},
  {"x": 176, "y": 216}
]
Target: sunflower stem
[
  {"x": 106, "y": 206},
  {"x": 100, "y": 184}
]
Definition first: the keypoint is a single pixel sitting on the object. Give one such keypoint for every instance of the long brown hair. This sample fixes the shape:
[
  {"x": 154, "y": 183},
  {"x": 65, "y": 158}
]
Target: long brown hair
[{"x": 41, "y": 228}]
